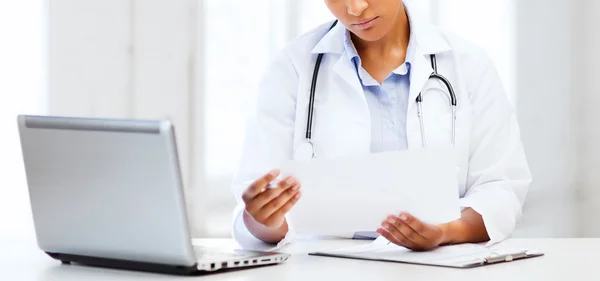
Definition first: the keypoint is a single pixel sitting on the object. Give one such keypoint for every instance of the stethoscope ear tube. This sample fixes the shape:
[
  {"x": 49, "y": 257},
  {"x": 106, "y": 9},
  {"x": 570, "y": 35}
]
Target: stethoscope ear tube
[
  {"x": 311, "y": 101},
  {"x": 313, "y": 87},
  {"x": 444, "y": 80}
]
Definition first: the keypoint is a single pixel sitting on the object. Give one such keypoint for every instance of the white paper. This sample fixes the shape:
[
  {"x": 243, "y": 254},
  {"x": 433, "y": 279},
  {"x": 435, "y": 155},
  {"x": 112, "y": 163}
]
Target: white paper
[
  {"x": 342, "y": 196},
  {"x": 379, "y": 244},
  {"x": 454, "y": 255}
]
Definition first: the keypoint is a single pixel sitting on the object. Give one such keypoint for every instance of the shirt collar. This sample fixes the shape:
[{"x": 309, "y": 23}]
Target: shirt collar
[
  {"x": 353, "y": 56},
  {"x": 349, "y": 47}
]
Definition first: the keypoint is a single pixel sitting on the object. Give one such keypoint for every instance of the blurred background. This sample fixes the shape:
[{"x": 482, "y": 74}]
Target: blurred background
[{"x": 197, "y": 62}]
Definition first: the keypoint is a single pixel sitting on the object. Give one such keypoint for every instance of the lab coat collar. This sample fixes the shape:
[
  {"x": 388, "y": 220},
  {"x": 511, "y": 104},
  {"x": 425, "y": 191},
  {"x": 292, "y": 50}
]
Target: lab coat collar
[
  {"x": 332, "y": 42},
  {"x": 428, "y": 40}
]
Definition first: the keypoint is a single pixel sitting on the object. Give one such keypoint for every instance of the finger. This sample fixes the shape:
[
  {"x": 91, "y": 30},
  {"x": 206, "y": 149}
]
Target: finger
[
  {"x": 390, "y": 237},
  {"x": 275, "y": 204},
  {"x": 256, "y": 204},
  {"x": 259, "y": 185},
  {"x": 285, "y": 208},
  {"x": 400, "y": 236},
  {"x": 270, "y": 194},
  {"x": 399, "y": 224},
  {"x": 417, "y": 225}
]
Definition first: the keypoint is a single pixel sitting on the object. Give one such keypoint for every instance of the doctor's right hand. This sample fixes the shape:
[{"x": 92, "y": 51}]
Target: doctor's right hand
[{"x": 266, "y": 207}]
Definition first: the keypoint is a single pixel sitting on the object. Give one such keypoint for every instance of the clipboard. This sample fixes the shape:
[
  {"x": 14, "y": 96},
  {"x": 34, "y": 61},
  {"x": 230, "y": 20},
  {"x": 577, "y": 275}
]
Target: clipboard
[{"x": 456, "y": 256}]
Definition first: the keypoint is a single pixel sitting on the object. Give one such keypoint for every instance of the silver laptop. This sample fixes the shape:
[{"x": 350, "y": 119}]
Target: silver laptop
[{"x": 108, "y": 193}]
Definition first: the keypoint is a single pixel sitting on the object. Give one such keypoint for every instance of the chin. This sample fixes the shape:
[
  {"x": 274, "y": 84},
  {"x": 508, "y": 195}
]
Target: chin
[{"x": 371, "y": 35}]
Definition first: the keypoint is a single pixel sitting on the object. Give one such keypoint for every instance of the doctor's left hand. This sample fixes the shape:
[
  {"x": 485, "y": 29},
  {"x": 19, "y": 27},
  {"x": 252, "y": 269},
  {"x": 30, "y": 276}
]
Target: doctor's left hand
[{"x": 407, "y": 231}]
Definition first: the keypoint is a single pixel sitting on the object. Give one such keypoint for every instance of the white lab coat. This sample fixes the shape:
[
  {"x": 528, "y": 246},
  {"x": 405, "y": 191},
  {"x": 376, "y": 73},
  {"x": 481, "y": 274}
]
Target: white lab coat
[{"x": 494, "y": 176}]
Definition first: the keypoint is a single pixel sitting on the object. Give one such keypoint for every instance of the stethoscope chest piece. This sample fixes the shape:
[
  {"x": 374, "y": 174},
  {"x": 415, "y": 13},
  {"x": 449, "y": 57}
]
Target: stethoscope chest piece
[{"x": 305, "y": 151}]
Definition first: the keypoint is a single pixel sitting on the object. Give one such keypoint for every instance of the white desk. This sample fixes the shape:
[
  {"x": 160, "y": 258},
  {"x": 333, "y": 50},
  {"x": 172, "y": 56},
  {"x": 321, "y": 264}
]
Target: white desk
[{"x": 566, "y": 259}]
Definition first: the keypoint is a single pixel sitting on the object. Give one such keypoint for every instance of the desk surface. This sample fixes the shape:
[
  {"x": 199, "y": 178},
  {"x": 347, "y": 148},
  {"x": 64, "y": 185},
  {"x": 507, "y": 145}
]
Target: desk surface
[{"x": 566, "y": 259}]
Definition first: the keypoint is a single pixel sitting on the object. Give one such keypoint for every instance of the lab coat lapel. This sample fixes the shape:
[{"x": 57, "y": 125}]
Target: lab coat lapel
[
  {"x": 347, "y": 72},
  {"x": 347, "y": 104},
  {"x": 356, "y": 110},
  {"x": 332, "y": 45}
]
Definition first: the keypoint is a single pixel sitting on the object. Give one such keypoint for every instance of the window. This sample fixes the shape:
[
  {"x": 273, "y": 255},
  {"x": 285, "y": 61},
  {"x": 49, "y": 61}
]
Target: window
[
  {"x": 21, "y": 91},
  {"x": 312, "y": 14},
  {"x": 494, "y": 31},
  {"x": 237, "y": 51},
  {"x": 238, "y": 46}
]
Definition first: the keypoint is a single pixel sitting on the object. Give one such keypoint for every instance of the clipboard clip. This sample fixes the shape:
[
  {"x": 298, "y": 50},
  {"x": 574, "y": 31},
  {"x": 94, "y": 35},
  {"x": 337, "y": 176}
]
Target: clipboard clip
[{"x": 505, "y": 258}]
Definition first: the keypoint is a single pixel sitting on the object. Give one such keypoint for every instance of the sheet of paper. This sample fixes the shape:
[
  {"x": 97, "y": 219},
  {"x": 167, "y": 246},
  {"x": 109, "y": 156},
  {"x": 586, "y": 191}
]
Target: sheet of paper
[
  {"x": 379, "y": 244},
  {"x": 343, "y": 196},
  {"x": 455, "y": 255}
]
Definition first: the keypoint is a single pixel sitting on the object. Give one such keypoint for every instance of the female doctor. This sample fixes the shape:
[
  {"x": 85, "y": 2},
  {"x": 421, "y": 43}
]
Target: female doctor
[{"x": 386, "y": 80}]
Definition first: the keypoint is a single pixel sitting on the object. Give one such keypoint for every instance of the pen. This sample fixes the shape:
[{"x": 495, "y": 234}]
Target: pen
[
  {"x": 507, "y": 257},
  {"x": 273, "y": 185}
]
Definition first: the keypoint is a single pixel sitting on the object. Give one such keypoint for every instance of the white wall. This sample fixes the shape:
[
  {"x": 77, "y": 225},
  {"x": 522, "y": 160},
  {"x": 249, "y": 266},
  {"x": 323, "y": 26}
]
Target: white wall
[
  {"x": 586, "y": 42},
  {"x": 126, "y": 59},
  {"x": 546, "y": 112},
  {"x": 89, "y": 55},
  {"x": 559, "y": 101}
]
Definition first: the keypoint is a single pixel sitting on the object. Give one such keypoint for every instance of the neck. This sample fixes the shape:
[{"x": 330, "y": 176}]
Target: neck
[{"x": 395, "y": 42}]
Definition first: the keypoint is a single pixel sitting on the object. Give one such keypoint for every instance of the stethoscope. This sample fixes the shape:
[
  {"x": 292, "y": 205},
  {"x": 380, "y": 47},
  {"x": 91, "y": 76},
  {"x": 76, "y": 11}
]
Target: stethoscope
[{"x": 308, "y": 148}]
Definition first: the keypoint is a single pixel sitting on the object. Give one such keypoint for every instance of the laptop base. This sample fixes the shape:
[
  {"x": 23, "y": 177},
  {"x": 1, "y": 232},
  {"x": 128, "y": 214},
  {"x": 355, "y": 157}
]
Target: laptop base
[{"x": 127, "y": 265}]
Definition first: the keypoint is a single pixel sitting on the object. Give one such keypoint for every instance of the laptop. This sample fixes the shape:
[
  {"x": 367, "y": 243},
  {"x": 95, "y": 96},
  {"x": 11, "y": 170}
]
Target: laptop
[{"x": 109, "y": 193}]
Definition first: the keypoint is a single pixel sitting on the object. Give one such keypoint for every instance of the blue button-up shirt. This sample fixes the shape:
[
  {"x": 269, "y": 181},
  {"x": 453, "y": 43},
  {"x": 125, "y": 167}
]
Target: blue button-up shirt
[{"x": 387, "y": 102}]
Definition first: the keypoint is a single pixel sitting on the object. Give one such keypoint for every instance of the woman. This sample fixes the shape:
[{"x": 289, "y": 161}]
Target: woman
[{"x": 377, "y": 59}]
